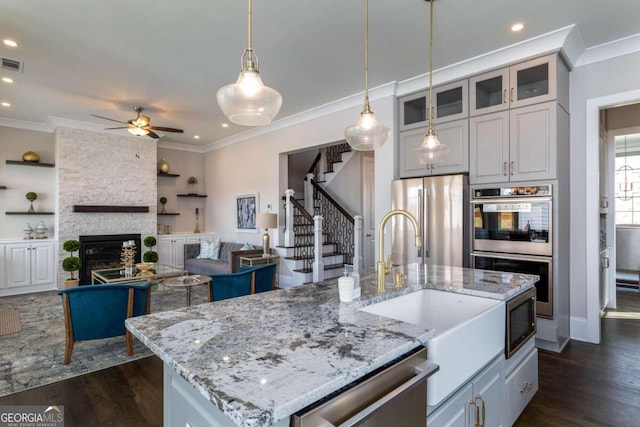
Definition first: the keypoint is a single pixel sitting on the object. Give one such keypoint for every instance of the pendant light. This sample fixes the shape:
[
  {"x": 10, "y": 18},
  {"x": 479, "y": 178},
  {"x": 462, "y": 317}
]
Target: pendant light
[
  {"x": 431, "y": 151},
  {"x": 367, "y": 133},
  {"x": 248, "y": 102}
]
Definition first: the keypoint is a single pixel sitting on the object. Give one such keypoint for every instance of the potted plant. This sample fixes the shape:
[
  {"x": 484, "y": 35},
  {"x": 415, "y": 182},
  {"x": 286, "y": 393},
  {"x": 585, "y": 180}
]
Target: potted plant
[
  {"x": 150, "y": 255},
  {"x": 71, "y": 263},
  {"x": 163, "y": 201}
]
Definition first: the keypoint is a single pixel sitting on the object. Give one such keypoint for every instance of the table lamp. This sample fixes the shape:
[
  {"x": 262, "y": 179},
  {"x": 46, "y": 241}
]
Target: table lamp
[{"x": 266, "y": 221}]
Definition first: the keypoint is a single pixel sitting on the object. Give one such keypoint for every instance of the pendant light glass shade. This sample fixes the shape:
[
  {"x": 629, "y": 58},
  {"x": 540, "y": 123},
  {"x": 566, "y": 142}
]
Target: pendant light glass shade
[
  {"x": 367, "y": 133},
  {"x": 248, "y": 102},
  {"x": 431, "y": 151}
]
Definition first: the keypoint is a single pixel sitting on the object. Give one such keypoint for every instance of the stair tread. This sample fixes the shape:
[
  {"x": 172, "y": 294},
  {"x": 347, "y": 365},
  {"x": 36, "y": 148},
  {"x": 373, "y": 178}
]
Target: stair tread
[
  {"x": 299, "y": 258},
  {"x": 326, "y": 267}
]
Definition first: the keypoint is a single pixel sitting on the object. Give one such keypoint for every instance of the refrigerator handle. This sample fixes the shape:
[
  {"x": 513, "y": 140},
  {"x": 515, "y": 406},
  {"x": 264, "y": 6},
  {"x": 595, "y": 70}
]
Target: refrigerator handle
[
  {"x": 424, "y": 223},
  {"x": 421, "y": 222}
]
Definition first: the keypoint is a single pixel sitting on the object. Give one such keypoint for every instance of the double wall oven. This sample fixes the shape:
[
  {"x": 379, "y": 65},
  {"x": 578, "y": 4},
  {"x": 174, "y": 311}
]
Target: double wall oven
[{"x": 513, "y": 232}]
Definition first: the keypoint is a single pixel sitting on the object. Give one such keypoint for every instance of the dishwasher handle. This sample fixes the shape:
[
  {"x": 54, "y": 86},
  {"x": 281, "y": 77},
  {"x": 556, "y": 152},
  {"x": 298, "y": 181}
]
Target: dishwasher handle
[{"x": 423, "y": 370}]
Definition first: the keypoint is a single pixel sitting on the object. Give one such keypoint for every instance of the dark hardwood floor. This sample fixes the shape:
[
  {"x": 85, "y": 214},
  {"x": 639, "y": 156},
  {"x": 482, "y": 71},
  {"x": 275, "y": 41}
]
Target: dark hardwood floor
[
  {"x": 587, "y": 385},
  {"x": 592, "y": 385}
]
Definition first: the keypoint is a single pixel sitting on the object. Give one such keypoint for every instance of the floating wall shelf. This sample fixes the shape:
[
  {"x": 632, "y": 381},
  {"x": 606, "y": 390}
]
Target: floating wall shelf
[
  {"x": 110, "y": 209},
  {"x": 3, "y": 187},
  {"x": 38, "y": 164},
  {"x": 168, "y": 214},
  {"x": 28, "y": 213},
  {"x": 191, "y": 195},
  {"x": 170, "y": 175}
]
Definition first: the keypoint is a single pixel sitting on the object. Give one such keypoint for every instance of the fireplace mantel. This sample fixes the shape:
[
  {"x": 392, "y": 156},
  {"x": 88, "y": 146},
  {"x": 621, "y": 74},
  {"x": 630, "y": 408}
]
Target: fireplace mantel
[{"x": 110, "y": 209}]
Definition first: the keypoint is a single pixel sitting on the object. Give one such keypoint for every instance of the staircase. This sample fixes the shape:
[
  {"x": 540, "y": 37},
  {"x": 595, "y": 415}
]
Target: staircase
[{"x": 337, "y": 225}]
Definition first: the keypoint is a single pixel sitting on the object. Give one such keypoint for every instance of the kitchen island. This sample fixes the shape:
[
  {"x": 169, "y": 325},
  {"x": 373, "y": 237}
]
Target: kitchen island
[{"x": 259, "y": 359}]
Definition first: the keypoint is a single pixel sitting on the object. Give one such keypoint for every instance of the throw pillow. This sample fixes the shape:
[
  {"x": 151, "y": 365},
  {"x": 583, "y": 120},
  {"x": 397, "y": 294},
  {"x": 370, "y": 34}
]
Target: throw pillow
[{"x": 209, "y": 250}]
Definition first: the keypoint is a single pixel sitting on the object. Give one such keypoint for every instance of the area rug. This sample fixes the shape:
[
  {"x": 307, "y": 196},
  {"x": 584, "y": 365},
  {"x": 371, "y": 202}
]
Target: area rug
[
  {"x": 10, "y": 322},
  {"x": 35, "y": 356}
]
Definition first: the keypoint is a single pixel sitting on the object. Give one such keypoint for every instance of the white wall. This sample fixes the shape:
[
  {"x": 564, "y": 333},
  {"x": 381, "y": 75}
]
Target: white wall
[
  {"x": 20, "y": 180},
  {"x": 186, "y": 164},
  {"x": 255, "y": 166},
  {"x": 594, "y": 86}
]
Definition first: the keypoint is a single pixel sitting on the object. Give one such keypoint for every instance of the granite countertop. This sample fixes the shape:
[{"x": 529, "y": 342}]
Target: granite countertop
[{"x": 263, "y": 357}]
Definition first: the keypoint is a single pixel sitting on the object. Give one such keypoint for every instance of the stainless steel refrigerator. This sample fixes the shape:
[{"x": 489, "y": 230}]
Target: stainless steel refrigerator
[{"x": 441, "y": 206}]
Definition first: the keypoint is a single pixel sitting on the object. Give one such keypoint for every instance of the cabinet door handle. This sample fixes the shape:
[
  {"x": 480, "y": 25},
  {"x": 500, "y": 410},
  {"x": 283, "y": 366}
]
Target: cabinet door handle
[
  {"x": 528, "y": 386},
  {"x": 480, "y": 410},
  {"x": 511, "y": 167},
  {"x": 511, "y": 95},
  {"x": 504, "y": 168},
  {"x": 504, "y": 96}
]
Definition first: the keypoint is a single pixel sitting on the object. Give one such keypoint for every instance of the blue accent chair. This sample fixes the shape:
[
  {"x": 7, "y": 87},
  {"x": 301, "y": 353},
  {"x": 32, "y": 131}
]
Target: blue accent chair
[
  {"x": 265, "y": 277},
  {"x": 224, "y": 286},
  {"x": 99, "y": 311}
]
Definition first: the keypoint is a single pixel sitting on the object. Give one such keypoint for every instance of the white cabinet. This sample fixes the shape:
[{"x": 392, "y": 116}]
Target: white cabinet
[
  {"x": 29, "y": 267},
  {"x": 483, "y": 393},
  {"x": 450, "y": 102},
  {"x": 171, "y": 250},
  {"x": 455, "y": 135},
  {"x": 520, "y": 386},
  {"x": 527, "y": 83},
  {"x": 516, "y": 145},
  {"x": 171, "y": 247}
]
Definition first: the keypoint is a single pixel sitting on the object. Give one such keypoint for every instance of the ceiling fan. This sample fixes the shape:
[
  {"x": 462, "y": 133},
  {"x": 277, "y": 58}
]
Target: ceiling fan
[{"x": 140, "y": 125}]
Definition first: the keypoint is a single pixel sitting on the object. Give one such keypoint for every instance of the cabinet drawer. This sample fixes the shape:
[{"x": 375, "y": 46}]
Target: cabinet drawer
[{"x": 520, "y": 386}]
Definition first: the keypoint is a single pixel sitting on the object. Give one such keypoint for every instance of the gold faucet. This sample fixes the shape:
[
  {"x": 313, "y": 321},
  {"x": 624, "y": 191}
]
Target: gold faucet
[{"x": 384, "y": 269}]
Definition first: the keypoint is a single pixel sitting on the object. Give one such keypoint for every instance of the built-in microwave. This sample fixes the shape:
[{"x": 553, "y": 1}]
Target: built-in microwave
[{"x": 520, "y": 321}]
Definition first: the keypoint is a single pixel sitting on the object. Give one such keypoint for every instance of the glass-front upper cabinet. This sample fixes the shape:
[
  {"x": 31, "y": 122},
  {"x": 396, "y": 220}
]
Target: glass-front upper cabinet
[
  {"x": 530, "y": 82},
  {"x": 450, "y": 102}
]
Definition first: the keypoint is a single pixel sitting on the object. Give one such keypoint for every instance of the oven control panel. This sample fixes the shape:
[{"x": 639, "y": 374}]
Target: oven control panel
[{"x": 528, "y": 190}]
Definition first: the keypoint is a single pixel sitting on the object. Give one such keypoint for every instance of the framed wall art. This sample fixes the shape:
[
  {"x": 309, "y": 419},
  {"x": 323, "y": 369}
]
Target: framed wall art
[{"x": 247, "y": 206}]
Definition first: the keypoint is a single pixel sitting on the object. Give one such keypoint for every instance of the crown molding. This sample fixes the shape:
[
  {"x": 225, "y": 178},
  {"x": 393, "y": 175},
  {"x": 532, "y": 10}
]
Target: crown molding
[
  {"x": 537, "y": 46},
  {"x": 382, "y": 91},
  {"x": 24, "y": 124},
  {"x": 610, "y": 50},
  {"x": 181, "y": 147}
]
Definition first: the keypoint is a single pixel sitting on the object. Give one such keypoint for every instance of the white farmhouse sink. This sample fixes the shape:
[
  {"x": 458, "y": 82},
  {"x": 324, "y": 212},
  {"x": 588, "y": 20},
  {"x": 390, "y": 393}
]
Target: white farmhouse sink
[{"x": 469, "y": 331}]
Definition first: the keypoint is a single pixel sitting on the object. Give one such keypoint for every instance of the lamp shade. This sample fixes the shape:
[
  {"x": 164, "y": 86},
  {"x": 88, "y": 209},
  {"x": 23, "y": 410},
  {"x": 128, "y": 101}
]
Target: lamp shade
[
  {"x": 248, "y": 102},
  {"x": 431, "y": 151},
  {"x": 266, "y": 220}
]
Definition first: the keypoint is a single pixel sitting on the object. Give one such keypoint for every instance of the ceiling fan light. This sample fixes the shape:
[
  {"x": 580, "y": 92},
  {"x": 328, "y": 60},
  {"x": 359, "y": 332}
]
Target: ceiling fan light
[
  {"x": 138, "y": 131},
  {"x": 367, "y": 133},
  {"x": 248, "y": 102}
]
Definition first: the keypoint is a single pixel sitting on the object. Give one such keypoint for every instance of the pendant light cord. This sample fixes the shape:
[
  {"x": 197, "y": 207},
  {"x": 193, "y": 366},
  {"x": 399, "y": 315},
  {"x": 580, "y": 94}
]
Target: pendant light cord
[
  {"x": 431, "y": 63},
  {"x": 367, "y": 108},
  {"x": 249, "y": 25}
]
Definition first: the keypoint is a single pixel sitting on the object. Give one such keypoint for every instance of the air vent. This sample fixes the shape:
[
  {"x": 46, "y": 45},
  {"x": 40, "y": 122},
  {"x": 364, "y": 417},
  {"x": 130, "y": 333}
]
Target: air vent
[{"x": 11, "y": 64}]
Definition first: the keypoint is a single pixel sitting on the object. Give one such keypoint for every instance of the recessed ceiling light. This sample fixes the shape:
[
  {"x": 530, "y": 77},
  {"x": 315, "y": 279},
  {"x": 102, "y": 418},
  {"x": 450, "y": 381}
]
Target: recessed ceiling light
[
  {"x": 5, "y": 104},
  {"x": 10, "y": 43},
  {"x": 7, "y": 79},
  {"x": 196, "y": 136},
  {"x": 225, "y": 125},
  {"x": 517, "y": 27}
]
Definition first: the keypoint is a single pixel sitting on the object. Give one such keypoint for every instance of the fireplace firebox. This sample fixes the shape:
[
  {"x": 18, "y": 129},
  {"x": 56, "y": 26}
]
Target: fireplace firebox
[{"x": 103, "y": 251}]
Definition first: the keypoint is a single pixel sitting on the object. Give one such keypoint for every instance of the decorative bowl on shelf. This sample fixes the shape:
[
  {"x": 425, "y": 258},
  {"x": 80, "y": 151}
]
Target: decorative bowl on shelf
[{"x": 145, "y": 266}]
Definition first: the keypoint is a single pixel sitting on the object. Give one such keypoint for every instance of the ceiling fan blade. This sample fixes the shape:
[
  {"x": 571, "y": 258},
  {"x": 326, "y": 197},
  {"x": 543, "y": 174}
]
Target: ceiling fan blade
[
  {"x": 107, "y": 118},
  {"x": 153, "y": 135},
  {"x": 163, "y": 129},
  {"x": 120, "y": 127}
]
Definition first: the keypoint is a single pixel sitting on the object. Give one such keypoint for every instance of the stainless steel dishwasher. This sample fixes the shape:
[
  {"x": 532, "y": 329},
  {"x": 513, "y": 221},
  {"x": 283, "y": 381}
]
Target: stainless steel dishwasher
[{"x": 394, "y": 395}]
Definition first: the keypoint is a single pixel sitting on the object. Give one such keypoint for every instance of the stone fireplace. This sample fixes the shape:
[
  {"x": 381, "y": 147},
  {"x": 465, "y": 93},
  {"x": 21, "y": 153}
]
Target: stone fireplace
[{"x": 100, "y": 169}]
